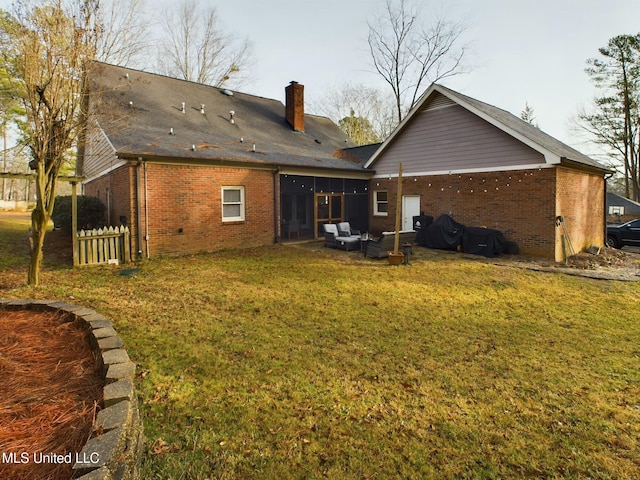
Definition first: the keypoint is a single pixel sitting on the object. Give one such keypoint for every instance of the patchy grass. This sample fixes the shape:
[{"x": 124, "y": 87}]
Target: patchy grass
[
  {"x": 14, "y": 239},
  {"x": 280, "y": 362}
]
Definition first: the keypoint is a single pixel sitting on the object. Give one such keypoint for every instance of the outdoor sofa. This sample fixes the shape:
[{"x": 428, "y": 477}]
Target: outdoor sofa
[
  {"x": 341, "y": 236},
  {"x": 379, "y": 248}
]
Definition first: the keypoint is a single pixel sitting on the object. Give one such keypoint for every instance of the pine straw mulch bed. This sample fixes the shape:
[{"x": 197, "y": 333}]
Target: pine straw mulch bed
[{"x": 50, "y": 389}]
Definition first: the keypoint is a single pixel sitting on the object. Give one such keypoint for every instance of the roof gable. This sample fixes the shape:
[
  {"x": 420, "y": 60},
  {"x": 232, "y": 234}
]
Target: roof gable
[
  {"x": 446, "y": 139},
  {"x": 618, "y": 200},
  {"x": 437, "y": 96}
]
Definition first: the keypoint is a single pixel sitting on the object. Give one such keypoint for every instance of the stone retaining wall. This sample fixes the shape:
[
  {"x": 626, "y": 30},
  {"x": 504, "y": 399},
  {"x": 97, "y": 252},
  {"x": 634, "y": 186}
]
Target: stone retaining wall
[{"x": 115, "y": 447}]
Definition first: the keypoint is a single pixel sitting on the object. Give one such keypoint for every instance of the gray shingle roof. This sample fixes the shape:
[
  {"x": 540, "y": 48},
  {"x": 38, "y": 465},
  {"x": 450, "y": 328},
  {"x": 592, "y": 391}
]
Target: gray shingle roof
[
  {"x": 139, "y": 110},
  {"x": 363, "y": 152}
]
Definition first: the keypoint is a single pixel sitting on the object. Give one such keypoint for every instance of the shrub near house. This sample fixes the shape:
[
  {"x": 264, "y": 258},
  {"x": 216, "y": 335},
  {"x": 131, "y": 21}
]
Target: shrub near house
[{"x": 91, "y": 212}]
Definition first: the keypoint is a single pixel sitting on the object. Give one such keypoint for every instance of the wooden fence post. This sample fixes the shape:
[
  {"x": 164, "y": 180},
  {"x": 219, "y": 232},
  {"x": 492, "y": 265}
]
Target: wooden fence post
[
  {"x": 74, "y": 222},
  {"x": 126, "y": 250},
  {"x": 82, "y": 246}
]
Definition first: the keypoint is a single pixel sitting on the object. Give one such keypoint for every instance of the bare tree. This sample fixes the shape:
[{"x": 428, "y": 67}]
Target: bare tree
[
  {"x": 195, "y": 48},
  {"x": 363, "y": 112},
  {"x": 124, "y": 33},
  {"x": 46, "y": 50},
  {"x": 410, "y": 56}
]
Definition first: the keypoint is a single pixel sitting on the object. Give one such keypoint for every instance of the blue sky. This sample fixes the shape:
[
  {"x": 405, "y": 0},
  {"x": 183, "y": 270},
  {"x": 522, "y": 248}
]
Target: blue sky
[{"x": 522, "y": 51}]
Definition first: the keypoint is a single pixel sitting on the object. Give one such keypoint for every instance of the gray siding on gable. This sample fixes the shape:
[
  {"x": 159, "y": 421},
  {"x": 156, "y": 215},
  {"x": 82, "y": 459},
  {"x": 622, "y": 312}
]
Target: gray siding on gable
[
  {"x": 615, "y": 200},
  {"x": 438, "y": 101},
  {"x": 451, "y": 139},
  {"x": 99, "y": 155}
]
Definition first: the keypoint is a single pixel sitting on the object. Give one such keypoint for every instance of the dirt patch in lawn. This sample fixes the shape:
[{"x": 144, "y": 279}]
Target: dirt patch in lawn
[
  {"x": 607, "y": 264},
  {"x": 50, "y": 389},
  {"x": 58, "y": 247}
]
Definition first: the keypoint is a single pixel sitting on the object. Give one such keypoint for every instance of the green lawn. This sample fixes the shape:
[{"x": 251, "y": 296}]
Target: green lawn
[{"x": 282, "y": 362}]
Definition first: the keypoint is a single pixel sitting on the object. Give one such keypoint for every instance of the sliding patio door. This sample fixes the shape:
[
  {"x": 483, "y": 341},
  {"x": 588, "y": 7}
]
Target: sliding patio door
[{"x": 329, "y": 208}]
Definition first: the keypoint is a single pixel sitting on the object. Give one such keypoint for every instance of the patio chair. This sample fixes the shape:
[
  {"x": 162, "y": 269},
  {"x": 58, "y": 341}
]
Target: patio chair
[
  {"x": 380, "y": 247},
  {"x": 294, "y": 227},
  {"x": 333, "y": 239},
  {"x": 345, "y": 230}
]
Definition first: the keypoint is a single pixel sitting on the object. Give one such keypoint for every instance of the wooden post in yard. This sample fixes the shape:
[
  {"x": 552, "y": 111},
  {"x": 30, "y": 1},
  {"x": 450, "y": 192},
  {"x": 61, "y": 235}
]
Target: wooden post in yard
[
  {"x": 74, "y": 223},
  {"x": 396, "y": 241}
]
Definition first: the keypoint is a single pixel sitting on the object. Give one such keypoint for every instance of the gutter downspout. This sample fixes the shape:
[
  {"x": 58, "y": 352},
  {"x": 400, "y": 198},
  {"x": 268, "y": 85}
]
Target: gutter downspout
[
  {"x": 146, "y": 212},
  {"x": 138, "y": 208},
  {"x": 276, "y": 204},
  {"x": 604, "y": 209}
]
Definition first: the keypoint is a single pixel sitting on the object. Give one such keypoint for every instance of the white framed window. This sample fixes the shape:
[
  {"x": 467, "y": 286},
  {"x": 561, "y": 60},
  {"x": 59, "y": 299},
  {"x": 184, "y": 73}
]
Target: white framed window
[
  {"x": 381, "y": 203},
  {"x": 232, "y": 204}
]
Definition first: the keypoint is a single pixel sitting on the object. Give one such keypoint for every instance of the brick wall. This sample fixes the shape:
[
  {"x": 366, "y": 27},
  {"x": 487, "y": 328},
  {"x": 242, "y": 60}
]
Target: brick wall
[
  {"x": 114, "y": 189},
  {"x": 117, "y": 192},
  {"x": 521, "y": 204},
  {"x": 580, "y": 200},
  {"x": 185, "y": 208}
]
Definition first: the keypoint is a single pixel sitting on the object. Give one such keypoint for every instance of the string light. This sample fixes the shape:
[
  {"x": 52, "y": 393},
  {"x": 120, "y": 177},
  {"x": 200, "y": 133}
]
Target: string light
[{"x": 503, "y": 182}]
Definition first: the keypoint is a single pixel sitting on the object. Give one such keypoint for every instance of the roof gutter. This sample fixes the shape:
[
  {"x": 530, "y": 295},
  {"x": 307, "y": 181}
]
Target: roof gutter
[
  {"x": 222, "y": 162},
  {"x": 585, "y": 167}
]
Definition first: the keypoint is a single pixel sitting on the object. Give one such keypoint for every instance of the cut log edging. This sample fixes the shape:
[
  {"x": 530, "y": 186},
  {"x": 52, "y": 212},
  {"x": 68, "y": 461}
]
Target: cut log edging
[{"x": 115, "y": 448}]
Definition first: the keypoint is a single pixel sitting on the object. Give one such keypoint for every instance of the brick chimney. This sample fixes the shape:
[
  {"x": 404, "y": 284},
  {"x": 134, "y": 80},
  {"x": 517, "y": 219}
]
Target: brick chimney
[{"x": 294, "y": 108}]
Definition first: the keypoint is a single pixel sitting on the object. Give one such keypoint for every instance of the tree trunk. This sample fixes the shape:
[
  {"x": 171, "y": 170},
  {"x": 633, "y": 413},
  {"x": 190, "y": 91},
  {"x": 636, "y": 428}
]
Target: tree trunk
[
  {"x": 4, "y": 158},
  {"x": 39, "y": 222},
  {"x": 396, "y": 240}
]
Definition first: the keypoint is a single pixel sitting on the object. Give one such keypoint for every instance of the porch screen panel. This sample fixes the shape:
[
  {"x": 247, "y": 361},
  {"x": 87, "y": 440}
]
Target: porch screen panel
[{"x": 356, "y": 211}]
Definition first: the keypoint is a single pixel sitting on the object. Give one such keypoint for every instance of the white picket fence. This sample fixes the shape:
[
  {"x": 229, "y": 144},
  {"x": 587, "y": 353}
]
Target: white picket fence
[{"x": 106, "y": 245}]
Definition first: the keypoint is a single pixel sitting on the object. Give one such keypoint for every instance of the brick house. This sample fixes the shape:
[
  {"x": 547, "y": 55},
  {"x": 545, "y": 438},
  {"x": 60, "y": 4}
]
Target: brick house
[
  {"x": 485, "y": 167},
  {"x": 194, "y": 168}
]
